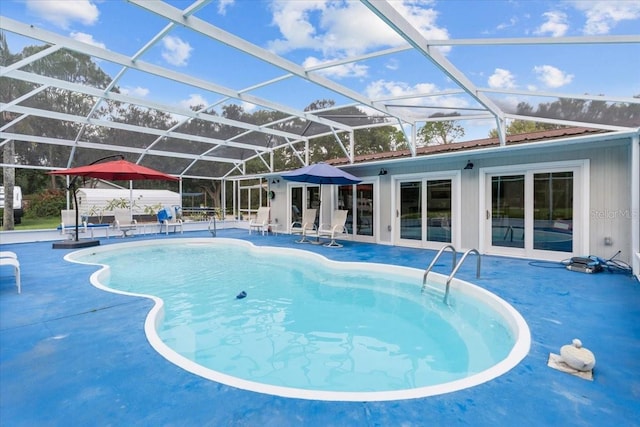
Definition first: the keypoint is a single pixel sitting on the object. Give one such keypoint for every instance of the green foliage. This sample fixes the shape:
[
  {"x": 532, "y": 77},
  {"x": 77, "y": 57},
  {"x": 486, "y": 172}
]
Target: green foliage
[
  {"x": 118, "y": 203},
  {"x": 46, "y": 204},
  {"x": 517, "y": 127},
  {"x": 436, "y": 133}
]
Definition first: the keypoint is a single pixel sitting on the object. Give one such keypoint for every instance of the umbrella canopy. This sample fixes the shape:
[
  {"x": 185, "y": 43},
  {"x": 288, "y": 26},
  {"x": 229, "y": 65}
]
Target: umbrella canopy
[
  {"x": 321, "y": 173},
  {"x": 117, "y": 170}
]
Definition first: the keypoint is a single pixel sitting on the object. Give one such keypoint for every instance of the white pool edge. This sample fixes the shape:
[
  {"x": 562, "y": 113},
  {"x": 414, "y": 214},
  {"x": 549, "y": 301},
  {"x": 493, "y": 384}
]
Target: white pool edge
[{"x": 154, "y": 318}]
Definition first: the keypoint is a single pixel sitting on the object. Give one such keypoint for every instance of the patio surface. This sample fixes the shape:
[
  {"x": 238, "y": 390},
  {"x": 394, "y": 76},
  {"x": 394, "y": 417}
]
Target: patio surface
[{"x": 71, "y": 354}]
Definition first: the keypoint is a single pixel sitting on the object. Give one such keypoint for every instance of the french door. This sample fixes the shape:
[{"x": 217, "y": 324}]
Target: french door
[
  {"x": 359, "y": 200},
  {"x": 304, "y": 197},
  {"x": 535, "y": 212},
  {"x": 427, "y": 211}
]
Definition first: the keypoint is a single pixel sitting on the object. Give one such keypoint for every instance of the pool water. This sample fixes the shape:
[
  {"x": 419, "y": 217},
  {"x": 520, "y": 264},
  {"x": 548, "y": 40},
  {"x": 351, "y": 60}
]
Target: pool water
[{"x": 307, "y": 324}]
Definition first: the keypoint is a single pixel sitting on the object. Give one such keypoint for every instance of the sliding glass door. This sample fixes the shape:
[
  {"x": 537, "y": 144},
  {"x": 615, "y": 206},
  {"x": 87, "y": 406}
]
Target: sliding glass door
[
  {"x": 535, "y": 211},
  {"x": 358, "y": 200},
  {"x": 426, "y": 210}
]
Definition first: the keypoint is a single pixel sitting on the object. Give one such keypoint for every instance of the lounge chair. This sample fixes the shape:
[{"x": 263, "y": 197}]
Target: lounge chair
[
  {"x": 13, "y": 262},
  {"x": 8, "y": 254},
  {"x": 123, "y": 221},
  {"x": 261, "y": 221},
  {"x": 338, "y": 220},
  {"x": 307, "y": 223},
  {"x": 166, "y": 219},
  {"x": 68, "y": 223}
]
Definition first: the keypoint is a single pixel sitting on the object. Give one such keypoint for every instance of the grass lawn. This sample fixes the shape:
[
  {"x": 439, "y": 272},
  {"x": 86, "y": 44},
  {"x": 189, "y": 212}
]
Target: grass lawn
[{"x": 38, "y": 223}]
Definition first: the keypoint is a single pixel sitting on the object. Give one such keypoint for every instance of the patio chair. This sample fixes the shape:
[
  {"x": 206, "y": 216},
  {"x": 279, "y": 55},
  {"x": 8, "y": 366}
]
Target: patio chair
[
  {"x": 261, "y": 221},
  {"x": 123, "y": 221},
  {"x": 307, "y": 223},
  {"x": 68, "y": 223},
  {"x": 8, "y": 254},
  {"x": 13, "y": 262},
  {"x": 338, "y": 220},
  {"x": 166, "y": 219}
]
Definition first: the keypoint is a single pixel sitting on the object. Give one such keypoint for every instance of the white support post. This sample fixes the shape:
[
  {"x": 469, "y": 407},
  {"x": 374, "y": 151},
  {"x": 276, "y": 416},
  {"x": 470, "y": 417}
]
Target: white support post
[{"x": 635, "y": 205}]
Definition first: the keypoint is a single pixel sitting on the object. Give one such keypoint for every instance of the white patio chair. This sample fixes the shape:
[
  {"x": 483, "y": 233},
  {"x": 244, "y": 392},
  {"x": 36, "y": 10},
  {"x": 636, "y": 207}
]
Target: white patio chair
[
  {"x": 261, "y": 221},
  {"x": 123, "y": 221},
  {"x": 307, "y": 224}
]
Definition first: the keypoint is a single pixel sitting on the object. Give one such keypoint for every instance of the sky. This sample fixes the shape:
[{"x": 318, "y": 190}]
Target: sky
[{"x": 308, "y": 33}]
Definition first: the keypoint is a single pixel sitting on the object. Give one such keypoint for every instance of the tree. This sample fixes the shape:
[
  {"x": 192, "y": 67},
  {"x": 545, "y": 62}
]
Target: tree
[
  {"x": 517, "y": 127},
  {"x": 587, "y": 111},
  {"x": 8, "y": 151},
  {"x": 438, "y": 133}
]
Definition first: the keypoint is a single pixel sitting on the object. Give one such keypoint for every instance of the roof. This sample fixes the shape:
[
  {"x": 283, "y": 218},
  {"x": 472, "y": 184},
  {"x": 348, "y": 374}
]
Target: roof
[
  {"x": 201, "y": 89},
  {"x": 546, "y": 135}
]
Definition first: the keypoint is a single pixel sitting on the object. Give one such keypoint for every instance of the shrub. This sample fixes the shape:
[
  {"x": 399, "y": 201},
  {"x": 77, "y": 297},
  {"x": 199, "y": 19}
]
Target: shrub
[{"x": 46, "y": 204}]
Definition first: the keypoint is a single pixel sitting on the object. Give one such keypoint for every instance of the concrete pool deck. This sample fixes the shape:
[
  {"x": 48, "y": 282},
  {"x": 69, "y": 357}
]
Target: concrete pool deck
[{"x": 71, "y": 354}]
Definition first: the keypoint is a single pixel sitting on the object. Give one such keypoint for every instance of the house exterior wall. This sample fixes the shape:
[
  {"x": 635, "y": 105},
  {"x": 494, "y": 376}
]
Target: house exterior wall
[{"x": 607, "y": 174}]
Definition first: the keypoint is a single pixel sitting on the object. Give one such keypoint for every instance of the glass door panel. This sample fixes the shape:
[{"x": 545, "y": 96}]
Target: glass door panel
[
  {"x": 411, "y": 210},
  {"x": 313, "y": 201},
  {"x": 364, "y": 209},
  {"x": 439, "y": 210},
  {"x": 507, "y": 211},
  {"x": 345, "y": 202},
  {"x": 553, "y": 211},
  {"x": 297, "y": 204}
]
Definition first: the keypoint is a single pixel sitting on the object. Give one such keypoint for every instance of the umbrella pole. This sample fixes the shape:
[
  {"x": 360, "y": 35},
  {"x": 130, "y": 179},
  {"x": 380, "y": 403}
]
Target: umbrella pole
[{"x": 72, "y": 188}]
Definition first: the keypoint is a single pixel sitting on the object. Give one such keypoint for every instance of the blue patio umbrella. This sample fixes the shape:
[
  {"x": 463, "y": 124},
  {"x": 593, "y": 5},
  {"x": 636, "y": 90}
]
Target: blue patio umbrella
[{"x": 321, "y": 173}]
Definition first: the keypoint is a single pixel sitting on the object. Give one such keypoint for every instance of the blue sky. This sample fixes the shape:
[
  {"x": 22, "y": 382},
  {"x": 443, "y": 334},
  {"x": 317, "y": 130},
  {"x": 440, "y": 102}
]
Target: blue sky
[{"x": 312, "y": 32}]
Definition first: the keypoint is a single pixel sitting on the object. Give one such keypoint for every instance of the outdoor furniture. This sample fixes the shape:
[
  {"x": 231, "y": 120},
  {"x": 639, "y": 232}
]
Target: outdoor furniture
[
  {"x": 261, "y": 221},
  {"x": 338, "y": 220},
  {"x": 123, "y": 221},
  {"x": 8, "y": 254},
  {"x": 306, "y": 224},
  {"x": 166, "y": 219},
  {"x": 13, "y": 262},
  {"x": 68, "y": 223}
]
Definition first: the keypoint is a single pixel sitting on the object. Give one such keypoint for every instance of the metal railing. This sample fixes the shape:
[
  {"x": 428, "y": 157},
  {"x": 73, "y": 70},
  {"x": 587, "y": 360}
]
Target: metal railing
[
  {"x": 435, "y": 259},
  {"x": 454, "y": 268}
]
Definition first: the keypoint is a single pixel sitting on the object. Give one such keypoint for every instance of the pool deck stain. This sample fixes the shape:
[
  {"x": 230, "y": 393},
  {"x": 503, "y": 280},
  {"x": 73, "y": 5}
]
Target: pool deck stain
[{"x": 71, "y": 354}]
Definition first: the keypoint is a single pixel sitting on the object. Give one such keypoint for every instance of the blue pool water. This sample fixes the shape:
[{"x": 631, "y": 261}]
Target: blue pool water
[{"x": 306, "y": 323}]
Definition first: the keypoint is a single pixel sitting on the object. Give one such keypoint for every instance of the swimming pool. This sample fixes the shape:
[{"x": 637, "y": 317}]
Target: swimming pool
[{"x": 316, "y": 329}]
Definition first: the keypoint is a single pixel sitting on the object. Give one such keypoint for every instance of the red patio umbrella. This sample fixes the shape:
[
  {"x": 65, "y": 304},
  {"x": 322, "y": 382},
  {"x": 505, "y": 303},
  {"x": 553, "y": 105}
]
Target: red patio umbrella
[{"x": 115, "y": 170}]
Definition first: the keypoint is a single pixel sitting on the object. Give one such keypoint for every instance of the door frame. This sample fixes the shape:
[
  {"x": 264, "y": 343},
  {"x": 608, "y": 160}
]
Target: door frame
[
  {"x": 580, "y": 169},
  {"x": 456, "y": 192}
]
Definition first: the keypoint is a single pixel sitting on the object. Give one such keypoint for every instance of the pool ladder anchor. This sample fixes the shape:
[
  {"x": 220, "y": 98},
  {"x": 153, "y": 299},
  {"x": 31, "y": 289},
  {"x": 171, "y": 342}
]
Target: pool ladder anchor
[{"x": 454, "y": 267}]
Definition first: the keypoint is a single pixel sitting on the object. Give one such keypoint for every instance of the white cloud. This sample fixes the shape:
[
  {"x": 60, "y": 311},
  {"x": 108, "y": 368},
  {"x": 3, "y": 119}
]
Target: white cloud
[
  {"x": 194, "y": 100},
  {"x": 176, "y": 51},
  {"x": 555, "y": 24},
  {"x": 338, "y": 71},
  {"x": 384, "y": 89},
  {"x": 603, "y": 15},
  {"x": 344, "y": 28},
  {"x": 381, "y": 89},
  {"x": 223, "y": 4},
  {"x": 63, "y": 13},
  {"x": 136, "y": 91},
  {"x": 502, "y": 79},
  {"x": 86, "y": 38},
  {"x": 392, "y": 65},
  {"x": 504, "y": 25},
  {"x": 551, "y": 76},
  {"x": 248, "y": 106}
]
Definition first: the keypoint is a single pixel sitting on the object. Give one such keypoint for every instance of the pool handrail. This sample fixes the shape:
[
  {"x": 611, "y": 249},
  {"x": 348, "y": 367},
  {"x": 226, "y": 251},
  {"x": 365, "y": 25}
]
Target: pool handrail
[
  {"x": 435, "y": 259},
  {"x": 457, "y": 267}
]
